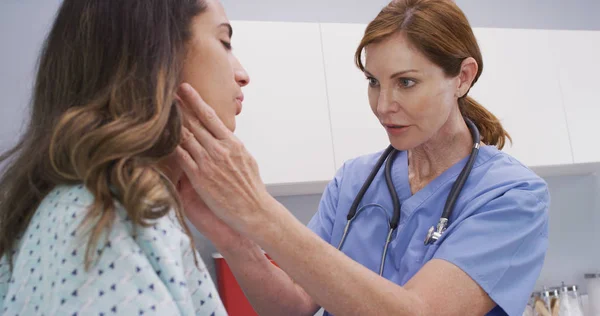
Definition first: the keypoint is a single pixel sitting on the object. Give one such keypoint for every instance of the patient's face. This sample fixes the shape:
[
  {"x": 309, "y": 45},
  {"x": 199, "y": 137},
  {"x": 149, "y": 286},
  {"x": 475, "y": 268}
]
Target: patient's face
[{"x": 211, "y": 67}]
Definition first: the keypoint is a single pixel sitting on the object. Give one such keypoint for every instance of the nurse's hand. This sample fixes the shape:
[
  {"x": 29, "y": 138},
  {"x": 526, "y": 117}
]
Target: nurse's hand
[
  {"x": 219, "y": 167},
  {"x": 225, "y": 239}
]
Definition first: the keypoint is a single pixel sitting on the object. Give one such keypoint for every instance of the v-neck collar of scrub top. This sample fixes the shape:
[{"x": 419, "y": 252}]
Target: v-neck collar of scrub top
[{"x": 410, "y": 202}]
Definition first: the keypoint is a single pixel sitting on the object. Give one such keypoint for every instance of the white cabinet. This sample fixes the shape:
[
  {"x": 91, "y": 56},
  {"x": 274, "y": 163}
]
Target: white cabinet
[
  {"x": 578, "y": 54},
  {"x": 520, "y": 85},
  {"x": 356, "y": 131},
  {"x": 307, "y": 111},
  {"x": 285, "y": 120}
]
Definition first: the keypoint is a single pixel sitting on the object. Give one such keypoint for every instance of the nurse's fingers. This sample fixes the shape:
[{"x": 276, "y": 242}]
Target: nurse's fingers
[
  {"x": 185, "y": 160},
  {"x": 190, "y": 153},
  {"x": 204, "y": 137},
  {"x": 205, "y": 114},
  {"x": 189, "y": 166}
]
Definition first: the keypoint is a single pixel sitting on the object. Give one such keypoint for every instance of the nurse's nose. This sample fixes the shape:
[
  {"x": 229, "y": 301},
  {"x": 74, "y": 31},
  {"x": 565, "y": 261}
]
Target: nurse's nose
[{"x": 386, "y": 103}]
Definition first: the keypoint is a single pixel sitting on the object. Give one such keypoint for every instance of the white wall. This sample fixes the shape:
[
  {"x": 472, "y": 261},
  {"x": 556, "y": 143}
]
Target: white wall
[
  {"x": 574, "y": 234},
  {"x": 23, "y": 26},
  {"x": 541, "y": 14}
]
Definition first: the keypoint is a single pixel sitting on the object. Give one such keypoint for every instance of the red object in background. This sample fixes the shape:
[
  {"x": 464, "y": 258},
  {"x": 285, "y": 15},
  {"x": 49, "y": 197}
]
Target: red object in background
[{"x": 230, "y": 291}]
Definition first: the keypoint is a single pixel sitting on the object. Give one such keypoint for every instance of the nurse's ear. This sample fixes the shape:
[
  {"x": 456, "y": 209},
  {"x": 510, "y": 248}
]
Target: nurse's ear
[{"x": 468, "y": 71}]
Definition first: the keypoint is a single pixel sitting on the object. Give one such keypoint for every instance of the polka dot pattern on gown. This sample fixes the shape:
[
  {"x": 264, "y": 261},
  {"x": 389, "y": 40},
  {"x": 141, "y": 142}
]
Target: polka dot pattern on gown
[{"x": 149, "y": 273}]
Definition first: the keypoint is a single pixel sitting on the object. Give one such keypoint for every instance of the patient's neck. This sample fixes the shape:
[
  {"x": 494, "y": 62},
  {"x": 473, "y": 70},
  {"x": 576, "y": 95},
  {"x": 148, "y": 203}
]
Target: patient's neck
[{"x": 171, "y": 169}]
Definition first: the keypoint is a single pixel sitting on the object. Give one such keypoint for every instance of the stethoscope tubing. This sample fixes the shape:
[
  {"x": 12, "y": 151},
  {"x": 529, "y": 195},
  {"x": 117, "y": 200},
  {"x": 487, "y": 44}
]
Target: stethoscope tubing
[{"x": 388, "y": 157}]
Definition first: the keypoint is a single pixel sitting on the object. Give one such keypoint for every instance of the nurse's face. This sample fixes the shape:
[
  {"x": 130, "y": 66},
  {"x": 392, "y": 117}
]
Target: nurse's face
[
  {"x": 411, "y": 96},
  {"x": 210, "y": 66}
]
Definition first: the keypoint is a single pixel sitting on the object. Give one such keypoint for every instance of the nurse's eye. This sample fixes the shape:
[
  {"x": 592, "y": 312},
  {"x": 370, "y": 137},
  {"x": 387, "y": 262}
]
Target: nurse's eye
[
  {"x": 373, "y": 83},
  {"x": 226, "y": 44},
  {"x": 406, "y": 82}
]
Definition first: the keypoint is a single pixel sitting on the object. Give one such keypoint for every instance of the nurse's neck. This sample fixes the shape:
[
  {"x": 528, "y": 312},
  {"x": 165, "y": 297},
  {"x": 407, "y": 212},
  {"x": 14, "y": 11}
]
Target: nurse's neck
[{"x": 448, "y": 146}]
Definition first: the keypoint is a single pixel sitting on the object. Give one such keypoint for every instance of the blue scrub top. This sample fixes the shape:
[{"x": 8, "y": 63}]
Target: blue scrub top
[{"x": 498, "y": 232}]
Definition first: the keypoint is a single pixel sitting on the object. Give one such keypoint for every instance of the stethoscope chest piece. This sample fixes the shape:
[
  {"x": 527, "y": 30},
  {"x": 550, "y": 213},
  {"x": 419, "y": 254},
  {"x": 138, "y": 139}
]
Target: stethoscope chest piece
[
  {"x": 434, "y": 234},
  {"x": 429, "y": 239}
]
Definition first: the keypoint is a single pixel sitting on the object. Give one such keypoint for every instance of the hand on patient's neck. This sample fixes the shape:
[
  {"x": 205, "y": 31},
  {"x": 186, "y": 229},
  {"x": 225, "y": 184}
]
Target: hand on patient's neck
[{"x": 452, "y": 143}]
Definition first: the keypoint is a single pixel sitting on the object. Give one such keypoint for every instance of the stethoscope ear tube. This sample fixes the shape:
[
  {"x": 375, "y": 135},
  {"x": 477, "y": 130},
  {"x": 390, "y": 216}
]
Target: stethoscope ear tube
[
  {"x": 367, "y": 184},
  {"x": 464, "y": 174},
  {"x": 390, "y": 184},
  {"x": 435, "y": 233}
]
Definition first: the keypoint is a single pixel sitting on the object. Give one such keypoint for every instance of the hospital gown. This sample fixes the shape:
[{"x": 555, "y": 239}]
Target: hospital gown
[{"x": 149, "y": 273}]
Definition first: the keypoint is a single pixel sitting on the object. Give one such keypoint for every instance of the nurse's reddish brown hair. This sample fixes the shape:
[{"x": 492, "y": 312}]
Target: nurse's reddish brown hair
[{"x": 442, "y": 33}]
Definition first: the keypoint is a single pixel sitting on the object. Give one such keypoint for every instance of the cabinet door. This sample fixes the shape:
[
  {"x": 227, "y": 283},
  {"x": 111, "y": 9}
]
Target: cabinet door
[
  {"x": 520, "y": 85},
  {"x": 356, "y": 130},
  {"x": 285, "y": 119},
  {"x": 579, "y": 68}
]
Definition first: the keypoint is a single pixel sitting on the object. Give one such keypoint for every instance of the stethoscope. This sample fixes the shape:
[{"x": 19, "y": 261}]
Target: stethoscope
[{"x": 434, "y": 233}]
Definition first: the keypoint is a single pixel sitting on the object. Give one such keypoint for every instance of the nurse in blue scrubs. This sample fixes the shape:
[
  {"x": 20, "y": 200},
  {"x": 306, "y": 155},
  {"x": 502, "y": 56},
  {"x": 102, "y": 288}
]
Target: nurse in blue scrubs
[{"x": 420, "y": 59}]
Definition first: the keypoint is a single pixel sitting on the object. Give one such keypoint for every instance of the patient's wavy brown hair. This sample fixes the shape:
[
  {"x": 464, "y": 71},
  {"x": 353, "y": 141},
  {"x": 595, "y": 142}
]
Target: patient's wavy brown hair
[{"x": 102, "y": 114}]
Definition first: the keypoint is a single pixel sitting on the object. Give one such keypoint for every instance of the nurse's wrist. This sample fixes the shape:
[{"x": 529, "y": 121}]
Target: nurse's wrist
[
  {"x": 236, "y": 248},
  {"x": 257, "y": 216},
  {"x": 274, "y": 221}
]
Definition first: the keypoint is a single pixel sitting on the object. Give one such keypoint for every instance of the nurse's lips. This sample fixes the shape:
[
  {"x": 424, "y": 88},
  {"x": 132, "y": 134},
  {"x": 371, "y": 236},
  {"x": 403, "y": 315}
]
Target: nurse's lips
[{"x": 394, "y": 129}]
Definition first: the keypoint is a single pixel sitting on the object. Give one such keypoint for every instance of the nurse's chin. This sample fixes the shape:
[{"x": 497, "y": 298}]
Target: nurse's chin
[{"x": 403, "y": 143}]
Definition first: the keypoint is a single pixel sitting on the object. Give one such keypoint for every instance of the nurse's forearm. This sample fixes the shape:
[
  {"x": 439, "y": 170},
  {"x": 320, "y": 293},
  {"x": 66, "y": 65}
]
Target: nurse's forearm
[
  {"x": 270, "y": 290},
  {"x": 334, "y": 281}
]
